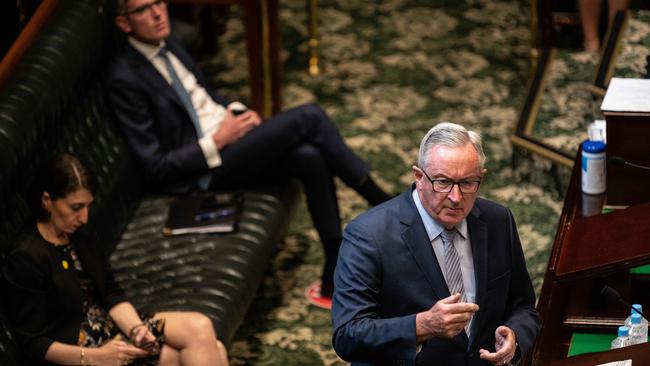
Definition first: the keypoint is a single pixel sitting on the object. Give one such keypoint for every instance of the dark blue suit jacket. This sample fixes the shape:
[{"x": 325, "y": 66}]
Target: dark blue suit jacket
[
  {"x": 153, "y": 120},
  {"x": 387, "y": 273}
]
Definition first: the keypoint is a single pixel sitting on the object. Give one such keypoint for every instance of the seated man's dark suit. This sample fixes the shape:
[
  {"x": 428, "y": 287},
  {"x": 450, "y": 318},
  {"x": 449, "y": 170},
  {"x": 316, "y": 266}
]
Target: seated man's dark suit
[
  {"x": 387, "y": 272},
  {"x": 154, "y": 121},
  {"x": 301, "y": 142}
]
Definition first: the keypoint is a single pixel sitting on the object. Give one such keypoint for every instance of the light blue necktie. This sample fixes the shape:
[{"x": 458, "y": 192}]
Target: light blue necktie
[
  {"x": 204, "y": 180},
  {"x": 181, "y": 92}
]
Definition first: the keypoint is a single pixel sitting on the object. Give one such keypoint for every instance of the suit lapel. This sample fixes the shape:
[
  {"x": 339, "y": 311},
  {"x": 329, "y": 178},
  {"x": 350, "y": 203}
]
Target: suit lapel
[
  {"x": 478, "y": 235},
  {"x": 151, "y": 75},
  {"x": 416, "y": 239}
]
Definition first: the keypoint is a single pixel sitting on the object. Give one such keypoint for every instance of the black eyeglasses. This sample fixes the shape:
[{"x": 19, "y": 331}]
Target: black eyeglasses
[
  {"x": 140, "y": 10},
  {"x": 446, "y": 185}
]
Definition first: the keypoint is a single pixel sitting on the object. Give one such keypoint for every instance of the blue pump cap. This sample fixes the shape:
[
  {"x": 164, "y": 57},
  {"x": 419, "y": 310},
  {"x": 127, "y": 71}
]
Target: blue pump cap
[{"x": 593, "y": 147}]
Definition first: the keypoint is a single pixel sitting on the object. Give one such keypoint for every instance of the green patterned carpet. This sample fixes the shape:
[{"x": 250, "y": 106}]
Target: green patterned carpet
[
  {"x": 390, "y": 71},
  {"x": 568, "y": 105}
]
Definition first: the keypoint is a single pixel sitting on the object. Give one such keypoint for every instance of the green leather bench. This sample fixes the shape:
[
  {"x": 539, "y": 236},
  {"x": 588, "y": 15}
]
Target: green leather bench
[{"x": 55, "y": 101}]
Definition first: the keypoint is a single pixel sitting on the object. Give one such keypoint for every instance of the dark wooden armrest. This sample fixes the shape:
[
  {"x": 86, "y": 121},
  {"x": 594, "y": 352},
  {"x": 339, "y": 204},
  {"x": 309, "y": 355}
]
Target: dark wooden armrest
[{"x": 25, "y": 39}]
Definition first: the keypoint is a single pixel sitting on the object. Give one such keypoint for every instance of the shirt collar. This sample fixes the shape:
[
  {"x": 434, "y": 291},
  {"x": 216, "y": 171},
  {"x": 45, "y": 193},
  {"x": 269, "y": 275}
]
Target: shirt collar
[
  {"x": 147, "y": 50},
  {"x": 433, "y": 227}
]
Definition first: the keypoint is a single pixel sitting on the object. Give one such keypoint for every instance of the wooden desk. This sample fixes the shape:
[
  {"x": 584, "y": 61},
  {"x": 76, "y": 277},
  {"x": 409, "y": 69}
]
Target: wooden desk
[
  {"x": 639, "y": 354},
  {"x": 628, "y": 128},
  {"x": 262, "y": 44},
  {"x": 629, "y": 185},
  {"x": 587, "y": 253}
]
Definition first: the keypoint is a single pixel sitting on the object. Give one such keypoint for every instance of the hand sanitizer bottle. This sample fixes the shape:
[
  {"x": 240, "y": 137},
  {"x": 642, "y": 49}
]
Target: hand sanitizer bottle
[{"x": 593, "y": 167}]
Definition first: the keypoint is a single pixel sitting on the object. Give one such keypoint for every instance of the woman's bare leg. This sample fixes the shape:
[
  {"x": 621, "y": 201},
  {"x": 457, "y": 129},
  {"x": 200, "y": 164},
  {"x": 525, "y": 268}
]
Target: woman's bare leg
[
  {"x": 192, "y": 335},
  {"x": 614, "y": 6},
  {"x": 589, "y": 17},
  {"x": 169, "y": 357}
]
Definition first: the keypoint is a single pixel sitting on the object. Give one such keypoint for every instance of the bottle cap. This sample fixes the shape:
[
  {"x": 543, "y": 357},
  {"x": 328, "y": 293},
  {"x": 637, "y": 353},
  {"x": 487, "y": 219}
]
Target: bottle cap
[
  {"x": 636, "y": 318},
  {"x": 623, "y": 331},
  {"x": 593, "y": 146},
  {"x": 639, "y": 307}
]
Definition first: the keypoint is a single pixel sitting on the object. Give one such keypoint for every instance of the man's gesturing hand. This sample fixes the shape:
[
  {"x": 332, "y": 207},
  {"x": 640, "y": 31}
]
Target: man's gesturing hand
[
  {"x": 445, "y": 319},
  {"x": 505, "y": 345}
]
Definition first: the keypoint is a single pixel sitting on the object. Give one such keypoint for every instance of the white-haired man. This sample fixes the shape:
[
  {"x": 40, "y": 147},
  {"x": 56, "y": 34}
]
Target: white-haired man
[{"x": 435, "y": 276}]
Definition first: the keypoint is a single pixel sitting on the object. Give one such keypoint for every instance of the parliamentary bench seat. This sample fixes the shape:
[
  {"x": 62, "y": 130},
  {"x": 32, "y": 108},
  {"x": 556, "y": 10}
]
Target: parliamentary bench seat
[{"x": 55, "y": 100}]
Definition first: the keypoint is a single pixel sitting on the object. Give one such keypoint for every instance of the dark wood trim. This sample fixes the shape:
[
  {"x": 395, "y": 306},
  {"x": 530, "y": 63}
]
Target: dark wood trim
[
  {"x": 263, "y": 42},
  {"x": 25, "y": 39},
  {"x": 535, "y": 91},
  {"x": 542, "y": 149},
  {"x": 611, "y": 50},
  {"x": 545, "y": 23},
  {"x": 262, "y": 45},
  {"x": 522, "y": 136}
]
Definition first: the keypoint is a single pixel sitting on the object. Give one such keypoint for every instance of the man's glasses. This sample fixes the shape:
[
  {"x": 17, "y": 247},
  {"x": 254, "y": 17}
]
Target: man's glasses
[
  {"x": 146, "y": 8},
  {"x": 446, "y": 185}
]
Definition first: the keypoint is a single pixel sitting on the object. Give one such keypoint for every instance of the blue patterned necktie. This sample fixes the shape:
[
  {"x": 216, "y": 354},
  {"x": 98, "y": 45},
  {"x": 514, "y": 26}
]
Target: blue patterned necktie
[{"x": 183, "y": 95}]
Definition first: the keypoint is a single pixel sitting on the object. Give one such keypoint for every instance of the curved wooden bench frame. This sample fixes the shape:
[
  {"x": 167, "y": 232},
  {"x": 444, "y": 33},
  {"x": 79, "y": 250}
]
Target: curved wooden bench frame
[{"x": 25, "y": 39}]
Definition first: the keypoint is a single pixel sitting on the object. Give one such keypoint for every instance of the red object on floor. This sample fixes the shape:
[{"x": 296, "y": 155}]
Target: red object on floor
[{"x": 312, "y": 293}]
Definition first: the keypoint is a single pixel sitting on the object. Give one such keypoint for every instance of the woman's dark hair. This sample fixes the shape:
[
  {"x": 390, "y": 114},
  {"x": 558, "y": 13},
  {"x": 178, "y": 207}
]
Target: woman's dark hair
[{"x": 60, "y": 176}]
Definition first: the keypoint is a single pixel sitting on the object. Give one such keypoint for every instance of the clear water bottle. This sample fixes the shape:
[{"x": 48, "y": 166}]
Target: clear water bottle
[
  {"x": 639, "y": 307},
  {"x": 638, "y": 331},
  {"x": 622, "y": 340}
]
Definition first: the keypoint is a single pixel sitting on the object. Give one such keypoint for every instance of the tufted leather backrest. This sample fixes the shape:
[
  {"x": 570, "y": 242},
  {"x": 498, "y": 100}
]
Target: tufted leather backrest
[{"x": 53, "y": 102}]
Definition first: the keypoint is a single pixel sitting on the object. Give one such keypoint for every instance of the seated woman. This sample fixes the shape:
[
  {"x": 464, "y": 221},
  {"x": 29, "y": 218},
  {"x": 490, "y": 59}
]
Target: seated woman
[{"x": 64, "y": 304}]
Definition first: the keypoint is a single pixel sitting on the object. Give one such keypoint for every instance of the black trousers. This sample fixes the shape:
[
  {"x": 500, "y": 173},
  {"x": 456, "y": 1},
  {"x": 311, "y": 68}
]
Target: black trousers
[{"x": 303, "y": 143}]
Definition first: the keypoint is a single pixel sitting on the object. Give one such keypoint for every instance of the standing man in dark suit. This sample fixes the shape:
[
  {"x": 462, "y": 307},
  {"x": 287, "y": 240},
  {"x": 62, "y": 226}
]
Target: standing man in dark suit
[
  {"x": 187, "y": 138},
  {"x": 435, "y": 276}
]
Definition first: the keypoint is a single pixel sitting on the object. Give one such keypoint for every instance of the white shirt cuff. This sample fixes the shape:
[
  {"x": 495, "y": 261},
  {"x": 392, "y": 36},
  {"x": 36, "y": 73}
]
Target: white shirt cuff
[
  {"x": 237, "y": 106},
  {"x": 210, "y": 151}
]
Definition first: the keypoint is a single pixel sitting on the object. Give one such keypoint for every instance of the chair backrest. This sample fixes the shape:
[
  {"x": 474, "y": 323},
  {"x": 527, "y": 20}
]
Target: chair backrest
[{"x": 55, "y": 101}]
